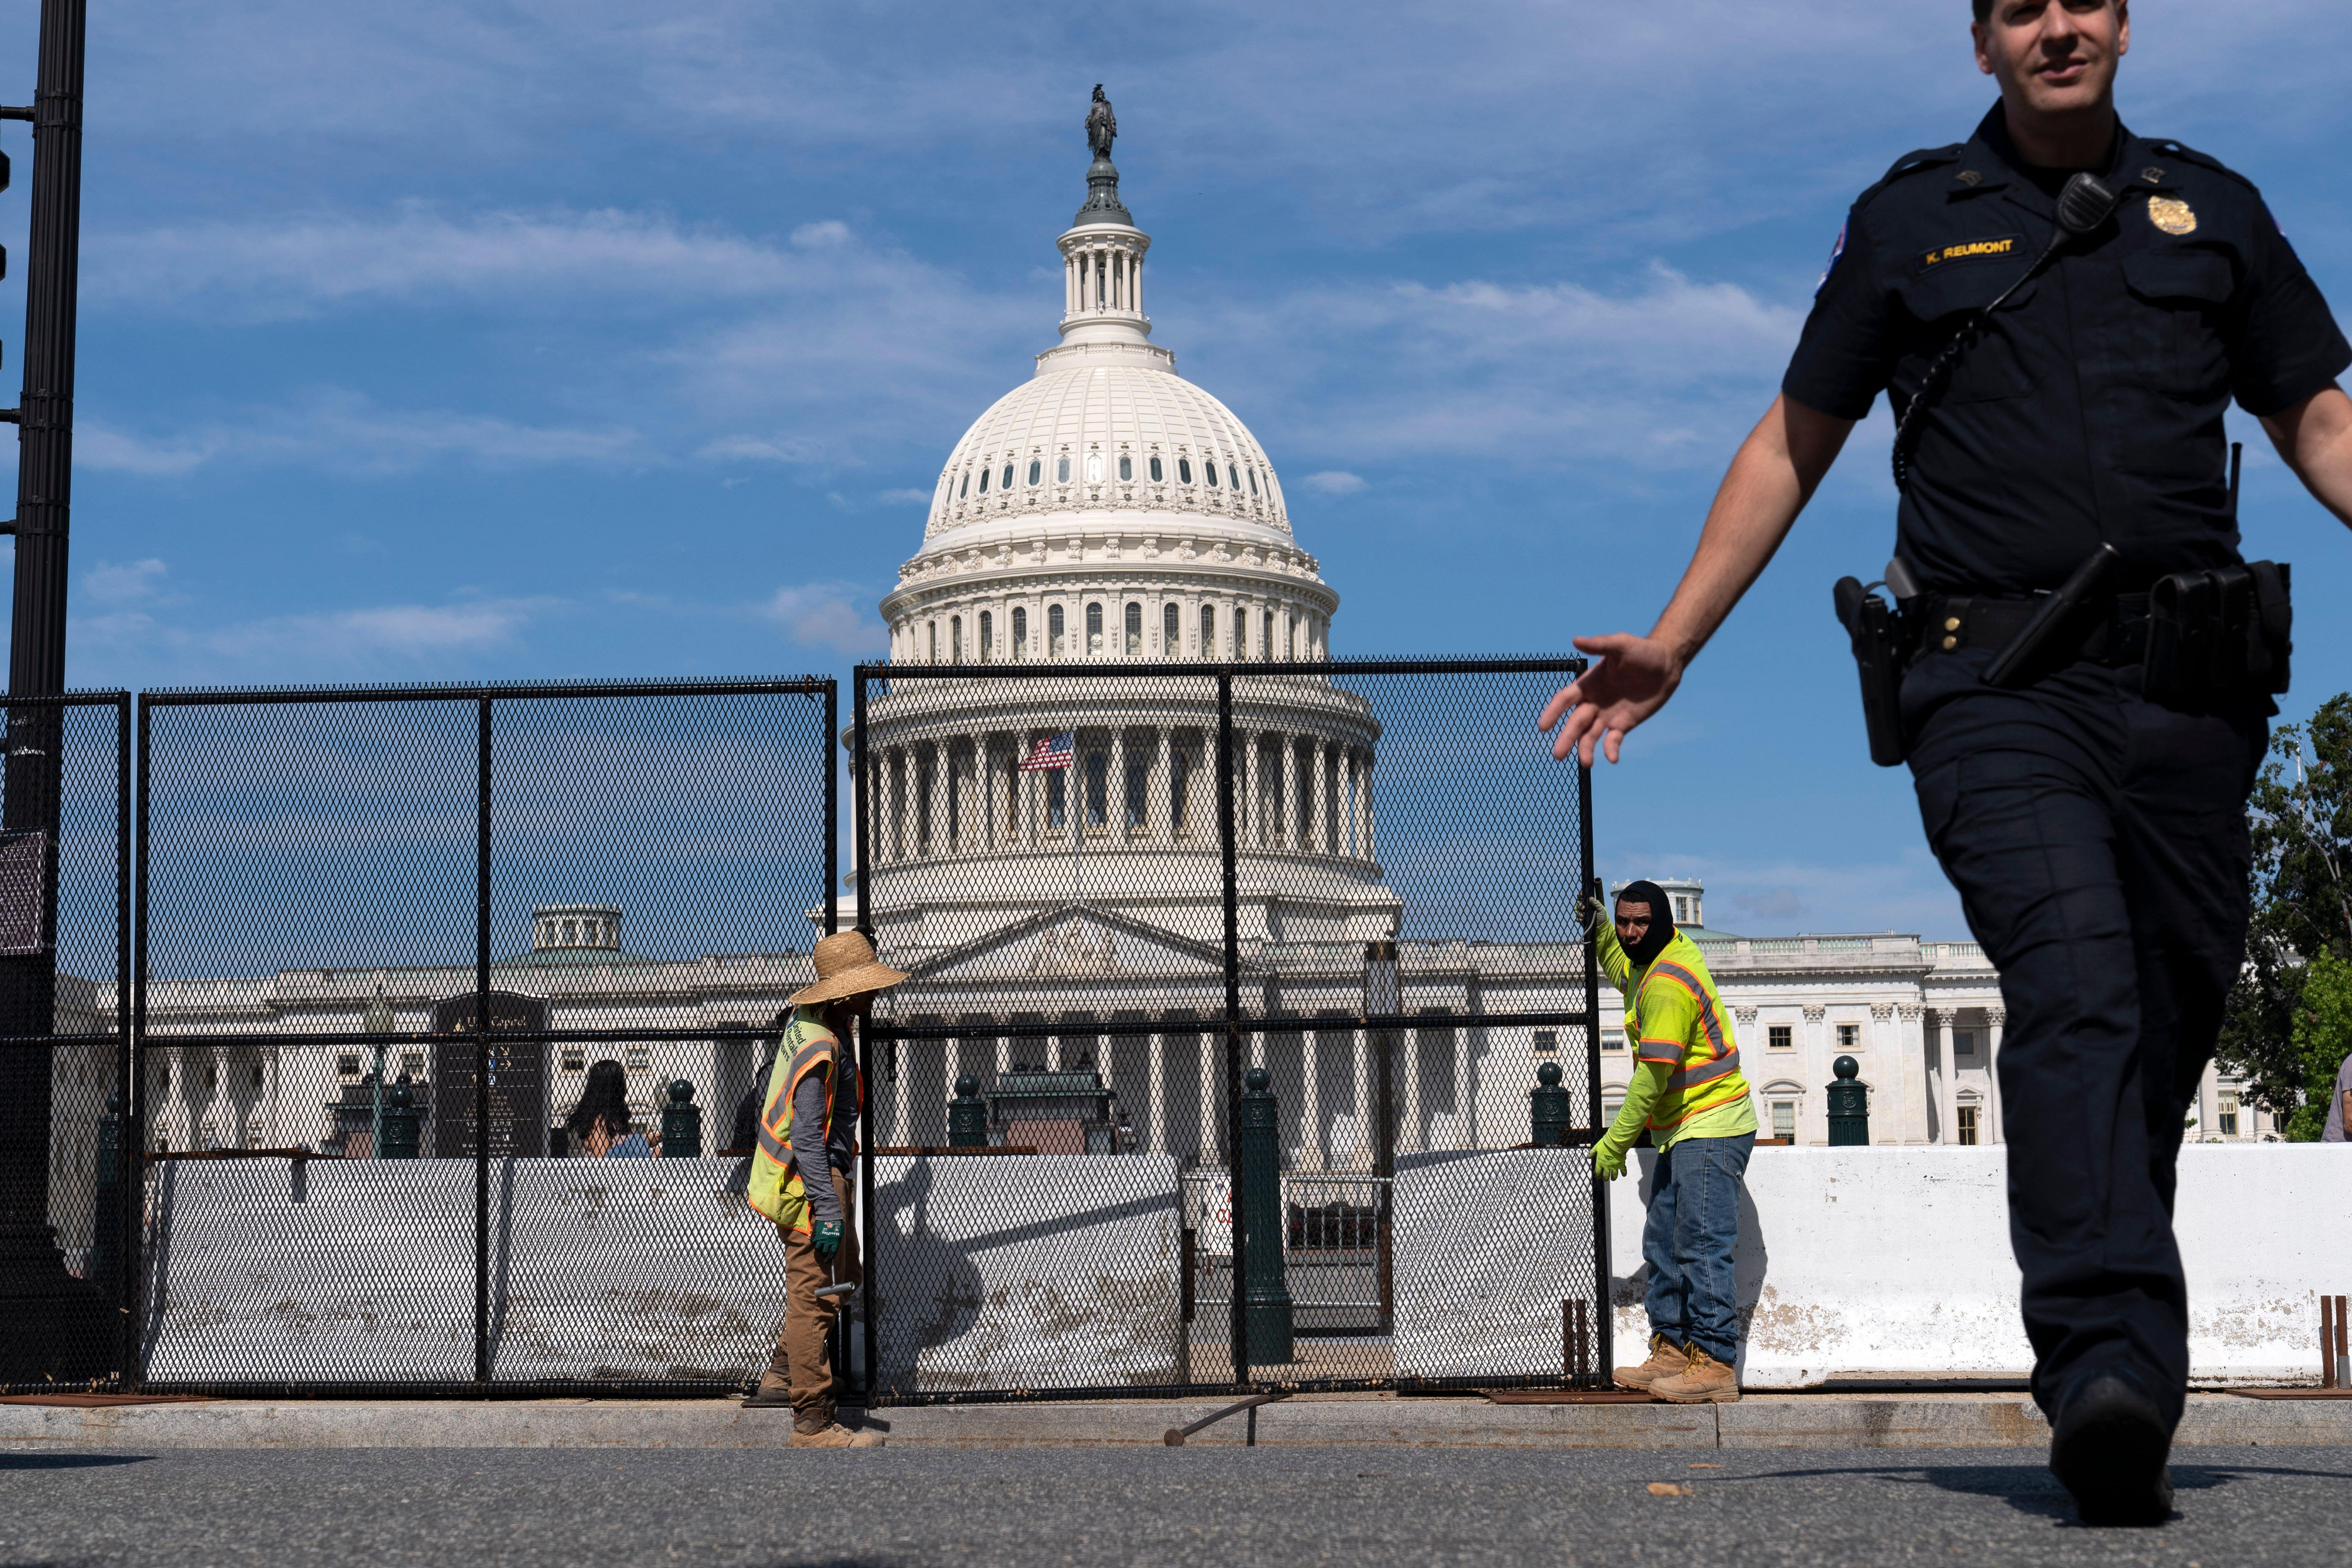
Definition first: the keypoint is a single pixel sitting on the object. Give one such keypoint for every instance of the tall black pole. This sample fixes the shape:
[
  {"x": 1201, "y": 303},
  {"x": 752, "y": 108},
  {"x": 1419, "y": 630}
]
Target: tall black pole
[{"x": 59, "y": 1333}]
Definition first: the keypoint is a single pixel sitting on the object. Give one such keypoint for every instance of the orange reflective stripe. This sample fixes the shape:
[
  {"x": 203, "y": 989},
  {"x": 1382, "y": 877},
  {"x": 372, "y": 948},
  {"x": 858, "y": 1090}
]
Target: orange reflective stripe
[
  {"x": 1691, "y": 1110},
  {"x": 1689, "y": 982},
  {"x": 1704, "y": 1072}
]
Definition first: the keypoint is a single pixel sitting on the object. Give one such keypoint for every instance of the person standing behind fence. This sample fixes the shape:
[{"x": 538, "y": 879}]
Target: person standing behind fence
[
  {"x": 1688, "y": 1091},
  {"x": 808, "y": 1122}
]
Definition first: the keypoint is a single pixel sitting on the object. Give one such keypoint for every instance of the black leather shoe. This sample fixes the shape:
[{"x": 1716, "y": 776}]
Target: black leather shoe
[{"x": 2108, "y": 1446}]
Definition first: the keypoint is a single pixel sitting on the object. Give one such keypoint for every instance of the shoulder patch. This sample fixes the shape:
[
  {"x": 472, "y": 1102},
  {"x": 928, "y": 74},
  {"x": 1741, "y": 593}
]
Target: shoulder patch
[
  {"x": 1912, "y": 163},
  {"x": 2202, "y": 160},
  {"x": 1836, "y": 251}
]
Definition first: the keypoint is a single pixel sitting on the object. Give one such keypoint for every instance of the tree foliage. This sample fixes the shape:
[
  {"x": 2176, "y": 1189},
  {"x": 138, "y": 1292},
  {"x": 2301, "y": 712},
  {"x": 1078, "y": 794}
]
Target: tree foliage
[{"x": 2291, "y": 1011}]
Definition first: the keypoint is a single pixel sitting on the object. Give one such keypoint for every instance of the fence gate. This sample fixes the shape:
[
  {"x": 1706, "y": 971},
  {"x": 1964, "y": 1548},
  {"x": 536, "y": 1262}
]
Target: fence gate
[
  {"x": 65, "y": 1199},
  {"x": 1240, "y": 996},
  {"x": 390, "y": 940}
]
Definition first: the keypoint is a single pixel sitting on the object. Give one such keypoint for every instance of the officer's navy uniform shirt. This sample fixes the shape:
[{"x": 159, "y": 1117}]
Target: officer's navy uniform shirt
[{"x": 2089, "y": 408}]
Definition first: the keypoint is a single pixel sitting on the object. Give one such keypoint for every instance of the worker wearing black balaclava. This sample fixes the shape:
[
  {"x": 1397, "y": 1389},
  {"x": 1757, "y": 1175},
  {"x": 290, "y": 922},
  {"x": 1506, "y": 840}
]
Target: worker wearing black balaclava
[
  {"x": 1687, "y": 1094},
  {"x": 1662, "y": 922}
]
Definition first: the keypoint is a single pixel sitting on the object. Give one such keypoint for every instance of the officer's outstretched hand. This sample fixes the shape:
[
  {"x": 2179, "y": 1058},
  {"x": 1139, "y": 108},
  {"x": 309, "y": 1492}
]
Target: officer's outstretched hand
[
  {"x": 1607, "y": 1163},
  {"x": 1632, "y": 681},
  {"x": 825, "y": 1236}
]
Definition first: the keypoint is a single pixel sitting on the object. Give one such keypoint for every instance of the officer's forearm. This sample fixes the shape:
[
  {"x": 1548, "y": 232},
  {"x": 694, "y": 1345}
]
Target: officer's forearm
[
  {"x": 1770, "y": 479},
  {"x": 1649, "y": 1082},
  {"x": 2314, "y": 437}
]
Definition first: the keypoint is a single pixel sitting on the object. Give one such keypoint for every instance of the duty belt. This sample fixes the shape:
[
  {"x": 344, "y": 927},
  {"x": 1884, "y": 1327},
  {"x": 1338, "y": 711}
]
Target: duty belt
[{"x": 2111, "y": 631}]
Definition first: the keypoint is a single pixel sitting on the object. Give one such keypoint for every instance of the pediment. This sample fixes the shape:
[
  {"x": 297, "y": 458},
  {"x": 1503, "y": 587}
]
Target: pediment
[{"x": 1080, "y": 943}]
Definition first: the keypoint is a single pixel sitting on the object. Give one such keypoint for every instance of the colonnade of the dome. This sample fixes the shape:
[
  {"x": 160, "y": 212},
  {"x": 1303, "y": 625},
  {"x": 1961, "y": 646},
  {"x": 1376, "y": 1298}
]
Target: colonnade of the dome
[
  {"x": 1075, "y": 622},
  {"x": 1102, "y": 273},
  {"x": 1128, "y": 786}
]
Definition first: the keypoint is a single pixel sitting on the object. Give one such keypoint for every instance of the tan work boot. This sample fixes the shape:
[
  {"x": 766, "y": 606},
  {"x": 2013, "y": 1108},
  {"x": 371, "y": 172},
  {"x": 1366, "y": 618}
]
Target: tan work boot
[
  {"x": 834, "y": 1434},
  {"x": 1706, "y": 1379},
  {"x": 1667, "y": 1359}
]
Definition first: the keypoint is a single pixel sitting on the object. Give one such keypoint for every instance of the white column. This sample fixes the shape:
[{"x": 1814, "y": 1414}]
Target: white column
[
  {"x": 910, "y": 786},
  {"x": 1163, "y": 786},
  {"x": 1135, "y": 273},
  {"x": 1310, "y": 1102},
  {"x": 1251, "y": 827},
  {"x": 938, "y": 797},
  {"x": 1321, "y": 842},
  {"x": 1371, "y": 844},
  {"x": 1994, "y": 1018},
  {"x": 1115, "y": 786}
]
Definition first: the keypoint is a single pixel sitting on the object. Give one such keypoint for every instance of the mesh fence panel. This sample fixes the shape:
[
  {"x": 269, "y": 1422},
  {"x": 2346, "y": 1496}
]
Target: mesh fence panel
[
  {"x": 1382, "y": 923},
  {"x": 64, "y": 908},
  {"x": 349, "y": 1182}
]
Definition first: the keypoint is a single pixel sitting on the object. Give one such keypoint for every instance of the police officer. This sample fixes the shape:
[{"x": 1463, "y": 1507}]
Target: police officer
[{"x": 2092, "y": 816}]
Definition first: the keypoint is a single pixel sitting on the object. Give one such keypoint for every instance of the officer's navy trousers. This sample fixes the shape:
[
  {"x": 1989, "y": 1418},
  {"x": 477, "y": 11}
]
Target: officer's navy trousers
[{"x": 2100, "y": 847}]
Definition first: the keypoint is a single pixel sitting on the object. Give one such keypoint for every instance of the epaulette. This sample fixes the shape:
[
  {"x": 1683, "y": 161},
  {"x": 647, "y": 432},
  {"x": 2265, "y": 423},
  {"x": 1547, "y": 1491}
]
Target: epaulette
[
  {"x": 2172, "y": 149},
  {"x": 1912, "y": 163}
]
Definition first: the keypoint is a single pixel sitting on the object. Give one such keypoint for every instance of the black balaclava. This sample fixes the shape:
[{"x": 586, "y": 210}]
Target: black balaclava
[{"x": 1662, "y": 920}]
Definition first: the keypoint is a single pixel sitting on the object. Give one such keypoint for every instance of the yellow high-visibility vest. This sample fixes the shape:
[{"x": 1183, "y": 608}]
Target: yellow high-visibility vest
[
  {"x": 1673, "y": 1016},
  {"x": 775, "y": 1189}
]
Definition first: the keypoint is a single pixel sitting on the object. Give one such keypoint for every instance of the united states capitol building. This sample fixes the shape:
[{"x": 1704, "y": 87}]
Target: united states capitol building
[{"x": 1109, "y": 510}]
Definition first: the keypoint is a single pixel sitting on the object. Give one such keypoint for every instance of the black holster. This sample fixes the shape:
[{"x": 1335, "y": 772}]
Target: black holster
[
  {"x": 2218, "y": 635},
  {"x": 1880, "y": 641}
]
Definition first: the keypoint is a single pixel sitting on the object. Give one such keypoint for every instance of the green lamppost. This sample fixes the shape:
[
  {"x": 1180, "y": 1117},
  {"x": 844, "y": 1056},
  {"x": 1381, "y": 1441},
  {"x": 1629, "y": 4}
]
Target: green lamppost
[{"x": 378, "y": 1022}]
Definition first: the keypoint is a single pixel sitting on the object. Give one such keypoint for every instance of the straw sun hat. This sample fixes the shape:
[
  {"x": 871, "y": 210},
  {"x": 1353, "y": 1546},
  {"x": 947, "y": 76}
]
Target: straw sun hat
[{"x": 845, "y": 965}]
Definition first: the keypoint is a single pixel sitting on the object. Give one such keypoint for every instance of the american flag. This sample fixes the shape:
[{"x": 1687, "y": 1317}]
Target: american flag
[{"x": 1051, "y": 753}]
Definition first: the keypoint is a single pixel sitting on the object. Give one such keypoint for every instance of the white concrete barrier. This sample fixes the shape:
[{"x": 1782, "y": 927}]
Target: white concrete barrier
[
  {"x": 1026, "y": 1271},
  {"x": 1855, "y": 1262}
]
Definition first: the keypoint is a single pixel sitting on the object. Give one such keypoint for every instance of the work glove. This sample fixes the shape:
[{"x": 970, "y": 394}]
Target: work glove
[
  {"x": 825, "y": 1236},
  {"x": 1607, "y": 1163}
]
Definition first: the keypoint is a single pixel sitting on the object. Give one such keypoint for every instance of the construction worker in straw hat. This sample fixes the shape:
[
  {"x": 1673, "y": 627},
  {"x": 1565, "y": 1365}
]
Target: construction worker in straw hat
[{"x": 808, "y": 1123}]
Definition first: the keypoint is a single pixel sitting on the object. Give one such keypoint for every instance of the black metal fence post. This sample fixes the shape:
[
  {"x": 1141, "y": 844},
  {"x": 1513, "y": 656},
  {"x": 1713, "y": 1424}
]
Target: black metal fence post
[
  {"x": 868, "y": 1302},
  {"x": 482, "y": 1051},
  {"x": 1604, "y": 1309},
  {"x": 1229, "y": 847},
  {"x": 126, "y": 1161},
  {"x": 134, "y": 1096}
]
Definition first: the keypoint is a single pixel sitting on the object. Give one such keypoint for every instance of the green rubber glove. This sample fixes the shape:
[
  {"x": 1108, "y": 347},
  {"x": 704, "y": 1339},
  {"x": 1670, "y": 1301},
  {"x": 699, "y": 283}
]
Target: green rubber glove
[
  {"x": 1607, "y": 1163},
  {"x": 825, "y": 1236}
]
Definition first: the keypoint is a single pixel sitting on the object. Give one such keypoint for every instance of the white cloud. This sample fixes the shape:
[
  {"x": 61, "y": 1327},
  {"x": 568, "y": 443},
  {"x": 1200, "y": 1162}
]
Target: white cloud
[
  {"x": 125, "y": 584},
  {"x": 822, "y": 615},
  {"x": 334, "y": 428},
  {"x": 832, "y": 231},
  {"x": 776, "y": 449},
  {"x": 907, "y": 497},
  {"x": 327, "y": 639},
  {"x": 1335, "y": 482}
]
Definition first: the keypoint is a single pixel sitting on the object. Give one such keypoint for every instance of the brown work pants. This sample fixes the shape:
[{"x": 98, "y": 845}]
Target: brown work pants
[{"x": 803, "y": 1358}]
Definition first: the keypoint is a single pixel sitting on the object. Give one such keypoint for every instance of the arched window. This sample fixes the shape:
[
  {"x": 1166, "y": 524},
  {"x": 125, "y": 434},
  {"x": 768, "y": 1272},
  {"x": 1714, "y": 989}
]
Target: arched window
[
  {"x": 935, "y": 641},
  {"x": 955, "y": 639},
  {"x": 1178, "y": 776},
  {"x": 1020, "y": 635},
  {"x": 984, "y": 481},
  {"x": 1134, "y": 630},
  {"x": 1006, "y": 482},
  {"x": 1241, "y": 634},
  {"x": 1062, "y": 469},
  {"x": 1138, "y": 777},
  {"x": 1171, "y": 632},
  {"x": 1232, "y": 477},
  {"x": 1208, "y": 631},
  {"x": 1265, "y": 634},
  {"x": 1054, "y": 631},
  {"x": 1209, "y": 467},
  {"x": 1252, "y": 473},
  {"x": 1184, "y": 470},
  {"x": 1291, "y": 638},
  {"x": 1125, "y": 466},
  {"x": 1094, "y": 630},
  {"x": 1057, "y": 799},
  {"x": 1155, "y": 468},
  {"x": 1094, "y": 468},
  {"x": 1037, "y": 471},
  {"x": 987, "y": 636},
  {"x": 965, "y": 489}
]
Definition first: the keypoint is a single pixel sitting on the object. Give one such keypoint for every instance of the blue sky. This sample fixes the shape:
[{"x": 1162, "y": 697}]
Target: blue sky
[{"x": 524, "y": 339}]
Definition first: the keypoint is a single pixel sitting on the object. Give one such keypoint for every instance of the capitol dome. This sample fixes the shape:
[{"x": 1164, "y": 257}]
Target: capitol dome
[{"x": 1108, "y": 509}]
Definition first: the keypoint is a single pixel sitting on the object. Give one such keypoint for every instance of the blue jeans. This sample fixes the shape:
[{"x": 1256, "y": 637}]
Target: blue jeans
[{"x": 1687, "y": 1242}]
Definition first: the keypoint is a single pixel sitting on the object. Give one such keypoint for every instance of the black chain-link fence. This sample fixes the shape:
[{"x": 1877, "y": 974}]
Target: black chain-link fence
[
  {"x": 65, "y": 1190},
  {"x": 1314, "y": 924},
  {"x": 1319, "y": 914},
  {"x": 349, "y": 1183}
]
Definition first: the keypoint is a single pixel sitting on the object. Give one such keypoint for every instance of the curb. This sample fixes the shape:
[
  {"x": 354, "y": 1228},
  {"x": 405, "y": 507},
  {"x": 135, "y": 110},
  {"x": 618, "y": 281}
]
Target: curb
[{"x": 1758, "y": 1421}]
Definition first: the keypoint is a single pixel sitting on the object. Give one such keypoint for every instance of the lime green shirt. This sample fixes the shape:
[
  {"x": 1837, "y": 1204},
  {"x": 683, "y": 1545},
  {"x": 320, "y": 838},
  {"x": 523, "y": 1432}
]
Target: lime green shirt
[{"x": 1679, "y": 1030}]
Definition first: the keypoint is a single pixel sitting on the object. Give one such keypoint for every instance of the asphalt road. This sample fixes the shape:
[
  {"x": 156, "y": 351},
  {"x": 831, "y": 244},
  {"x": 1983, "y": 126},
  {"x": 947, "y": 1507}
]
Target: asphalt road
[{"x": 1287, "y": 1506}]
